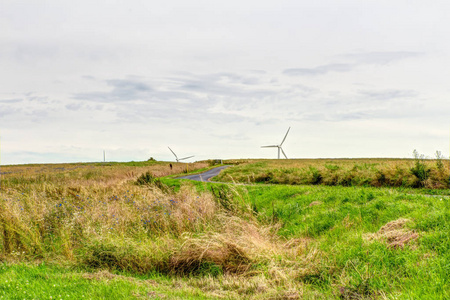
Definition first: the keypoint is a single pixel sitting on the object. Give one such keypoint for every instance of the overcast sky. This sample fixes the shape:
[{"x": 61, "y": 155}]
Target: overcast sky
[{"x": 219, "y": 79}]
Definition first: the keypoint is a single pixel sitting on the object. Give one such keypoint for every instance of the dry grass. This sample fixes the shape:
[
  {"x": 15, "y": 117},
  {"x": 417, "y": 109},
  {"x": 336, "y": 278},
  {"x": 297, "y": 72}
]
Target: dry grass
[
  {"x": 314, "y": 203},
  {"x": 85, "y": 175},
  {"x": 108, "y": 222},
  {"x": 395, "y": 234},
  {"x": 54, "y": 210}
]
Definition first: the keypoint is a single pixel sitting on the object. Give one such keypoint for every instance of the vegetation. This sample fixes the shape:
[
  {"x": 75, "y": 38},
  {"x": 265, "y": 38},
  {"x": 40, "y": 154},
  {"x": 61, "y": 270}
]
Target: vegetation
[
  {"x": 418, "y": 172},
  {"x": 122, "y": 231}
]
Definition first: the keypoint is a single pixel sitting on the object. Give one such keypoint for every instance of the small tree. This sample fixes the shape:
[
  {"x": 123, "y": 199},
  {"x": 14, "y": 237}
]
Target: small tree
[
  {"x": 419, "y": 169},
  {"x": 439, "y": 163}
]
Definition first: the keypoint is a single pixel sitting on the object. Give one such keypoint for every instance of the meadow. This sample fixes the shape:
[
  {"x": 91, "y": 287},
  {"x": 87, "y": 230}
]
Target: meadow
[{"x": 131, "y": 231}]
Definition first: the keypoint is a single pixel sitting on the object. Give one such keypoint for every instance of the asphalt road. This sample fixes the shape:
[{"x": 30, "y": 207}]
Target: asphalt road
[{"x": 206, "y": 176}]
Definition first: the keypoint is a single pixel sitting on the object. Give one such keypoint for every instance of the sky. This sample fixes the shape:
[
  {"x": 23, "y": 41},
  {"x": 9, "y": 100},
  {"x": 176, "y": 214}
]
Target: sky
[{"x": 220, "y": 79}]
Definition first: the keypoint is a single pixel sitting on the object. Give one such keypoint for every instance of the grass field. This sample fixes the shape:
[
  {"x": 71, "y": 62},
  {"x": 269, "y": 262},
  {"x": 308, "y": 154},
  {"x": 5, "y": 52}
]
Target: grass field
[{"x": 129, "y": 231}]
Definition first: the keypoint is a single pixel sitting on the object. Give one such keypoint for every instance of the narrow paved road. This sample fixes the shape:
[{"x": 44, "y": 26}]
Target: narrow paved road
[{"x": 206, "y": 176}]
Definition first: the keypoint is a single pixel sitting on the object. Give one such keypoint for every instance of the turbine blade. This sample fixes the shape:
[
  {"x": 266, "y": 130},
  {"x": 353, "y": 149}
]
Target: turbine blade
[
  {"x": 271, "y": 146},
  {"x": 283, "y": 153},
  {"x": 176, "y": 157},
  {"x": 186, "y": 157},
  {"x": 285, "y": 136}
]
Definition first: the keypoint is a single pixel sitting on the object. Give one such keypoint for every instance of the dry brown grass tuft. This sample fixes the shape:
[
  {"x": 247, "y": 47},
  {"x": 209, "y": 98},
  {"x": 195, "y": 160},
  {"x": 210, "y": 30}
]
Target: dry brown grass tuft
[
  {"x": 244, "y": 287},
  {"x": 198, "y": 253},
  {"x": 107, "y": 275},
  {"x": 234, "y": 248},
  {"x": 314, "y": 203},
  {"x": 395, "y": 234}
]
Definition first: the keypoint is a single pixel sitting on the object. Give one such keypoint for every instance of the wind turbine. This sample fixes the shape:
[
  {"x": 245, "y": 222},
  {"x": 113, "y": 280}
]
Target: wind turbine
[
  {"x": 279, "y": 146},
  {"x": 176, "y": 157}
]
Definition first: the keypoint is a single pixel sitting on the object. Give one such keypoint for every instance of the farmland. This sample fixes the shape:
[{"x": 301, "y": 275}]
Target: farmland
[{"x": 131, "y": 231}]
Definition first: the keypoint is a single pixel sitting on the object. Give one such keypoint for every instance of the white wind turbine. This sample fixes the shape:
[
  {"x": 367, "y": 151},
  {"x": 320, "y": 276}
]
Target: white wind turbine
[
  {"x": 279, "y": 146},
  {"x": 176, "y": 157}
]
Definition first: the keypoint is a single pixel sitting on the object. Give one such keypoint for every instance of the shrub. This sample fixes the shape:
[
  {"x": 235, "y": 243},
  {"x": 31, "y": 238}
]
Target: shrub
[
  {"x": 149, "y": 179},
  {"x": 332, "y": 167},
  {"x": 419, "y": 170},
  {"x": 264, "y": 177},
  {"x": 439, "y": 163},
  {"x": 316, "y": 176},
  {"x": 146, "y": 178},
  {"x": 214, "y": 162}
]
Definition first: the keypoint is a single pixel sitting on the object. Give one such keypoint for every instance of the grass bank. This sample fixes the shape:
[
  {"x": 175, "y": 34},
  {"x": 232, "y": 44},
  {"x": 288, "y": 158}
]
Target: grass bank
[{"x": 415, "y": 173}]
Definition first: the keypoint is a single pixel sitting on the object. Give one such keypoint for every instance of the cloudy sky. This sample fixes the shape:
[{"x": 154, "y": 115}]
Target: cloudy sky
[{"x": 219, "y": 79}]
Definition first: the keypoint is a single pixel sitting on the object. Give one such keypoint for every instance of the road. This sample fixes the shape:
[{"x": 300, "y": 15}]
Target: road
[{"x": 206, "y": 176}]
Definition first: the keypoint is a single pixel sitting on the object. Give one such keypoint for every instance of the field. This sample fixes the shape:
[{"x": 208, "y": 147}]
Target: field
[{"x": 130, "y": 231}]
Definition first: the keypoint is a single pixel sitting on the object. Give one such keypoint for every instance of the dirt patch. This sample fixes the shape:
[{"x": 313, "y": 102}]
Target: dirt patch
[
  {"x": 314, "y": 203},
  {"x": 395, "y": 234}
]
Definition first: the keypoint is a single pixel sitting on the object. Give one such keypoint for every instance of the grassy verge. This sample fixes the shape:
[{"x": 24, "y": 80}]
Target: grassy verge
[{"x": 415, "y": 173}]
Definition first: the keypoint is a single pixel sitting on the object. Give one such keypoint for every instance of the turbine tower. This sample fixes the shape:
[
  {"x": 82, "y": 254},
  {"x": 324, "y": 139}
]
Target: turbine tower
[
  {"x": 176, "y": 157},
  {"x": 280, "y": 149}
]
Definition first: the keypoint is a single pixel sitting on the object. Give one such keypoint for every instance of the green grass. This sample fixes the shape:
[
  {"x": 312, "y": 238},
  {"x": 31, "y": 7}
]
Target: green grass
[{"x": 22, "y": 281}]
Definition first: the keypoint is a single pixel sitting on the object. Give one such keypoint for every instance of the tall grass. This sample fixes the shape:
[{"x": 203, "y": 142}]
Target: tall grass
[{"x": 131, "y": 223}]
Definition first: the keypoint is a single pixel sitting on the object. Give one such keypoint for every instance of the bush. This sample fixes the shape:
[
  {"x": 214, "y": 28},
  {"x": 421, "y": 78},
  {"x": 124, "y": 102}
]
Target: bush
[
  {"x": 146, "y": 178},
  {"x": 265, "y": 177},
  {"x": 419, "y": 170},
  {"x": 214, "y": 162},
  {"x": 439, "y": 163},
  {"x": 149, "y": 179},
  {"x": 316, "y": 177}
]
